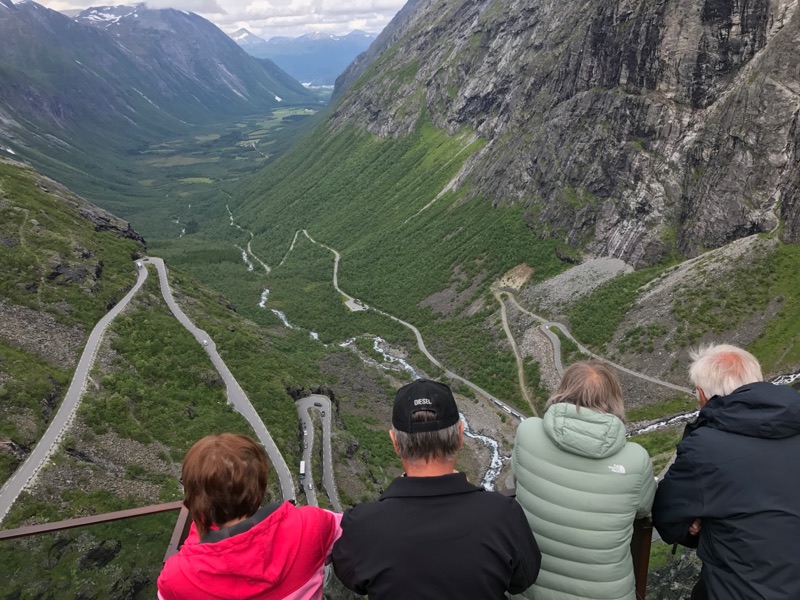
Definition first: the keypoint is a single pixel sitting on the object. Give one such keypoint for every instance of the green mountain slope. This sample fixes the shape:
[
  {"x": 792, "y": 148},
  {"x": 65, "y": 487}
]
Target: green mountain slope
[
  {"x": 466, "y": 149},
  {"x": 82, "y": 101},
  {"x": 64, "y": 263}
]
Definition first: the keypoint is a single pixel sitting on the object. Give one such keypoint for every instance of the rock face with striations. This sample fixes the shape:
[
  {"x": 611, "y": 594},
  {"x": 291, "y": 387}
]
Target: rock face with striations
[{"x": 630, "y": 127}]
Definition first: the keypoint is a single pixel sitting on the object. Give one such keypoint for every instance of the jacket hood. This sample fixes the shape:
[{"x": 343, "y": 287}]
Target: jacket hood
[
  {"x": 761, "y": 410},
  {"x": 583, "y": 431}
]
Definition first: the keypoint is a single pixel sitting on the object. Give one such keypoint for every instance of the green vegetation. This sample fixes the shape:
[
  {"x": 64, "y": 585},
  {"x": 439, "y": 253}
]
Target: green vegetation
[
  {"x": 534, "y": 378},
  {"x": 660, "y": 445},
  {"x": 53, "y": 258},
  {"x": 117, "y": 560},
  {"x": 779, "y": 346},
  {"x": 661, "y": 554},
  {"x": 640, "y": 339},
  {"x": 595, "y": 317},
  {"x": 376, "y": 446},
  {"x": 163, "y": 386},
  {"x": 570, "y": 353},
  {"x": 723, "y": 303},
  {"x": 55, "y": 262},
  {"x": 31, "y": 388},
  {"x": 671, "y": 406}
]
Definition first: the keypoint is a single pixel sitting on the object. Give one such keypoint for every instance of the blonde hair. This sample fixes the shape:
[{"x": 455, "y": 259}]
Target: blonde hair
[
  {"x": 720, "y": 369},
  {"x": 591, "y": 384}
]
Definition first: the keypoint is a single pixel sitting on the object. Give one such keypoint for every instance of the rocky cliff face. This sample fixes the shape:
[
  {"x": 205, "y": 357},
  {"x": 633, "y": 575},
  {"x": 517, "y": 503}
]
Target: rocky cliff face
[{"x": 628, "y": 127}]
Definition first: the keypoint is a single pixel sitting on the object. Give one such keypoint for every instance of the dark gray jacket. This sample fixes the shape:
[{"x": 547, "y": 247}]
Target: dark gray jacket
[{"x": 738, "y": 469}]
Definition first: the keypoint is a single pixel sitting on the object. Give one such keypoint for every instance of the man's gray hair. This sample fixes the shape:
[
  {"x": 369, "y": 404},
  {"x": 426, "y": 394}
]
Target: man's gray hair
[
  {"x": 427, "y": 445},
  {"x": 719, "y": 370}
]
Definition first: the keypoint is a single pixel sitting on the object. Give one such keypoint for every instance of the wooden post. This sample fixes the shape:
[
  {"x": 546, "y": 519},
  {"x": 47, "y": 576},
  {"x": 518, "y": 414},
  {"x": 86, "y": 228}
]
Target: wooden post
[
  {"x": 179, "y": 534},
  {"x": 641, "y": 542}
]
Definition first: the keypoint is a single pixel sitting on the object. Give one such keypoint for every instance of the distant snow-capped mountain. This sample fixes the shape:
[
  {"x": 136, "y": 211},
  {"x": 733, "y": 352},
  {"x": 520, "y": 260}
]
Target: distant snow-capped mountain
[{"x": 315, "y": 58}]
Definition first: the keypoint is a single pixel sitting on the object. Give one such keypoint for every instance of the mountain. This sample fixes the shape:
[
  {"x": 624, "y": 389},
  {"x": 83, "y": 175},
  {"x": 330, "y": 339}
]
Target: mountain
[
  {"x": 116, "y": 78},
  {"x": 314, "y": 58},
  {"x": 631, "y": 129},
  {"x": 250, "y": 42},
  {"x": 388, "y": 36},
  {"x": 474, "y": 140}
]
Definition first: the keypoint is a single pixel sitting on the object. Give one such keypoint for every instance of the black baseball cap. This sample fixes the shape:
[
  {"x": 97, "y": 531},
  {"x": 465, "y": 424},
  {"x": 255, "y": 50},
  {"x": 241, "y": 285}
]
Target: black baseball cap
[{"x": 424, "y": 394}]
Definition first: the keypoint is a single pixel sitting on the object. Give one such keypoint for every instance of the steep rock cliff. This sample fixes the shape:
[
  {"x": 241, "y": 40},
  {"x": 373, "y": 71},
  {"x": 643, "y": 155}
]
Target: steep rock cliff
[{"x": 628, "y": 127}]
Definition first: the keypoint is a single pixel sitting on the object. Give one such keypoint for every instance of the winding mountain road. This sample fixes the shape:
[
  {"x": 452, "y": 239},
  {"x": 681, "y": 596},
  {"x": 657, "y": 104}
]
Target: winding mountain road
[
  {"x": 28, "y": 471},
  {"x": 356, "y": 304},
  {"x": 545, "y": 327},
  {"x": 321, "y": 404},
  {"x": 236, "y": 396},
  {"x": 48, "y": 443}
]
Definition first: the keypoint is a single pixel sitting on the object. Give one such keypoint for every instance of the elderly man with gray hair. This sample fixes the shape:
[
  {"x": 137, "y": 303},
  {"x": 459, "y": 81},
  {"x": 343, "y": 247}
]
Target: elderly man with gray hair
[
  {"x": 734, "y": 489},
  {"x": 432, "y": 534}
]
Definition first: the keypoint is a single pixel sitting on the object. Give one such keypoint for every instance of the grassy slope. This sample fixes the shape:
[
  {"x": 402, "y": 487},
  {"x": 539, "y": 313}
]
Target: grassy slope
[
  {"x": 747, "y": 289},
  {"x": 43, "y": 231},
  {"x": 162, "y": 390},
  {"x": 359, "y": 194},
  {"x": 40, "y": 231}
]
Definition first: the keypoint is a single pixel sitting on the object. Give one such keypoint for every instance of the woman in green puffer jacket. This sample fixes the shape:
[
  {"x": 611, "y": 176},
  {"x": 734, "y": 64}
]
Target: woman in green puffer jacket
[{"x": 581, "y": 485}]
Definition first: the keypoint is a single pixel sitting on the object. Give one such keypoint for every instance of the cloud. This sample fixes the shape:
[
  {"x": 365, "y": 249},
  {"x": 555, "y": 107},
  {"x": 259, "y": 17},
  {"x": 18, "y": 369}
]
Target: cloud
[
  {"x": 268, "y": 18},
  {"x": 198, "y": 6}
]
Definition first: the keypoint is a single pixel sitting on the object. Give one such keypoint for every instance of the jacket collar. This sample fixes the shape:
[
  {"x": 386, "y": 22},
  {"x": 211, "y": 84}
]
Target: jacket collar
[
  {"x": 415, "y": 487},
  {"x": 762, "y": 410},
  {"x": 217, "y": 535}
]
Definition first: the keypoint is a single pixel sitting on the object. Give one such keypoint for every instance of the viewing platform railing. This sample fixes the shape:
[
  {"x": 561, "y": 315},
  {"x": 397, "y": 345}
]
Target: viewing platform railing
[{"x": 640, "y": 543}]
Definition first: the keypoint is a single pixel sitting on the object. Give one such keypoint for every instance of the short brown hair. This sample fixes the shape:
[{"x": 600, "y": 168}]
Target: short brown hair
[
  {"x": 224, "y": 478},
  {"x": 591, "y": 384}
]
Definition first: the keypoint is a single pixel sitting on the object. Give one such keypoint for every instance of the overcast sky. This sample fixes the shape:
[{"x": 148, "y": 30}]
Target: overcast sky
[{"x": 273, "y": 17}]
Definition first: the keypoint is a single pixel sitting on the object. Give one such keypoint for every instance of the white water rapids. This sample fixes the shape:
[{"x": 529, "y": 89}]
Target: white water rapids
[
  {"x": 493, "y": 472},
  {"x": 262, "y": 303},
  {"x": 394, "y": 363}
]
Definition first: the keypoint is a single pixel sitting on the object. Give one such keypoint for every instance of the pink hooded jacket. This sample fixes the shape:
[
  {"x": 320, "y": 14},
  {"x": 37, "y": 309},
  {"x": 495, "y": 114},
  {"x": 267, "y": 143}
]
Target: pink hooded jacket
[{"x": 280, "y": 555}]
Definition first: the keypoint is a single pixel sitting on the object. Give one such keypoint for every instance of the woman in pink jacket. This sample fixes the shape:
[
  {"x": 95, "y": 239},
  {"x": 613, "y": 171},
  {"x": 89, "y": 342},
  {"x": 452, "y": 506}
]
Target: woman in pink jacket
[{"x": 236, "y": 548}]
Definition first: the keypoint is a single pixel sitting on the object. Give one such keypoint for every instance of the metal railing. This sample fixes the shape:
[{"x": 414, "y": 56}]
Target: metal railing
[
  {"x": 179, "y": 533},
  {"x": 640, "y": 542}
]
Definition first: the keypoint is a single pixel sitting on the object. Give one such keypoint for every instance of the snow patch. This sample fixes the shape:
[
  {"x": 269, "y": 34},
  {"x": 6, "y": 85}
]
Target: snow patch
[
  {"x": 9, "y": 150},
  {"x": 278, "y": 98}
]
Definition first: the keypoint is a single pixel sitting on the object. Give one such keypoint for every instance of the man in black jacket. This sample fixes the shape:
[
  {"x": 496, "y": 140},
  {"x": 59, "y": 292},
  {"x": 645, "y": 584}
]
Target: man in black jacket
[
  {"x": 734, "y": 486},
  {"x": 432, "y": 534}
]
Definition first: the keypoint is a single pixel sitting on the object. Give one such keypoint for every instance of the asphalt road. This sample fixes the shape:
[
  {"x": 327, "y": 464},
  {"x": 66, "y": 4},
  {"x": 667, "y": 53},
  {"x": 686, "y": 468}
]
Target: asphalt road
[
  {"x": 304, "y": 405},
  {"x": 28, "y": 471},
  {"x": 236, "y": 396},
  {"x": 545, "y": 327}
]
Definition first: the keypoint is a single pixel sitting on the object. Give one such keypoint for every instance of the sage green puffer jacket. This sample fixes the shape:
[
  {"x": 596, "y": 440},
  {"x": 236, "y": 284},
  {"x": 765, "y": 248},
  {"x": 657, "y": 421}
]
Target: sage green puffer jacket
[{"x": 581, "y": 486}]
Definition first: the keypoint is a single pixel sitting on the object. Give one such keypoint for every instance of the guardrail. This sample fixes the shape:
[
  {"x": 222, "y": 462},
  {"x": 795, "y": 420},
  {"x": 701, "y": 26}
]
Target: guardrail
[
  {"x": 640, "y": 543},
  {"x": 179, "y": 533}
]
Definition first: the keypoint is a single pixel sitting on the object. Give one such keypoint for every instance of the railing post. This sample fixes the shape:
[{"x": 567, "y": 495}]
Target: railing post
[
  {"x": 179, "y": 534},
  {"x": 641, "y": 542}
]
